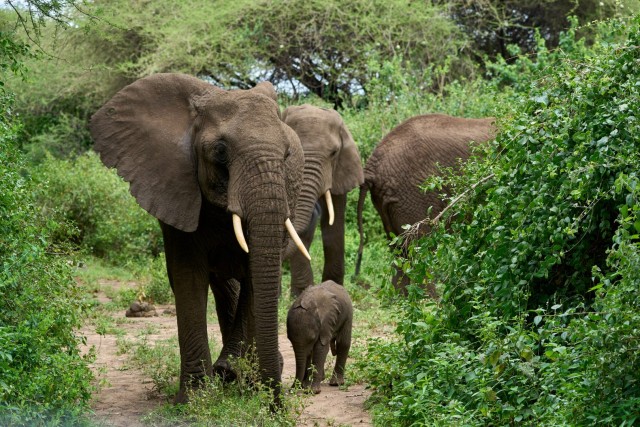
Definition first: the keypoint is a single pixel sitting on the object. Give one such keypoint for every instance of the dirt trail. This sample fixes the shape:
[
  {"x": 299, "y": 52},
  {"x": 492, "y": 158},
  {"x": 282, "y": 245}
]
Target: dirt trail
[{"x": 125, "y": 395}]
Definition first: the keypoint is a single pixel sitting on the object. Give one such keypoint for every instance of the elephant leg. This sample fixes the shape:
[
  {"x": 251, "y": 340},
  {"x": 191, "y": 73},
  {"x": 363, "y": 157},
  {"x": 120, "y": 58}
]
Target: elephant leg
[
  {"x": 242, "y": 334},
  {"x": 227, "y": 296},
  {"x": 189, "y": 278},
  {"x": 308, "y": 371},
  {"x": 301, "y": 273},
  {"x": 333, "y": 239},
  {"x": 400, "y": 281},
  {"x": 342, "y": 347},
  {"x": 320, "y": 352}
]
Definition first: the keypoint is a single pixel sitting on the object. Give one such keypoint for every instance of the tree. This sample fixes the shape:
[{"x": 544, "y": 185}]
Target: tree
[
  {"x": 493, "y": 25},
  {"x": 319, "y": 47},
  {"x": 324, "y": 47}
]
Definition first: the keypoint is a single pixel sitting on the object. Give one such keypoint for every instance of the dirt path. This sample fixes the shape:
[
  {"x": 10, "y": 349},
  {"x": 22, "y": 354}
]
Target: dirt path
[{"x": 125, "y": 395}]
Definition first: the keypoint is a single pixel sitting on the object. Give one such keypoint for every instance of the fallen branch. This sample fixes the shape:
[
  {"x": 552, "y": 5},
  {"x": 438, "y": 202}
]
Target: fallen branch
[{"x": 413, "y": 231}]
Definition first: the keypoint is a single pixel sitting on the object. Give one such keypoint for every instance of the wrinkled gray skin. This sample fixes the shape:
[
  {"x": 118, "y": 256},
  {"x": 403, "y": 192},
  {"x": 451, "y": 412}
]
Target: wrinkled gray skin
[
  {"x": 319, "y": 319},
  {"x": 331, "y": 163},
  {"x": 194, "y": 154},
  {"x": 409, "y": 154}
]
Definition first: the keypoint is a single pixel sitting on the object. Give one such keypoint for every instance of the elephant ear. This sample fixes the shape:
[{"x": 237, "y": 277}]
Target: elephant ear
[
  {"x": 285, "y": 113},
  {"x": 145, "y": 132},
  {"x": 267, "y": 89},
  {"x": 328, "y": 312},
  {"x": 347, "y": 171}
]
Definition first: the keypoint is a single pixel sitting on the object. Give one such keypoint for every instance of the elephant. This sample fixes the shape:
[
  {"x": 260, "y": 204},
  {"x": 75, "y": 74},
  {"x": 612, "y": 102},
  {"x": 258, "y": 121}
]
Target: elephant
[
  {"x": 319, "y": 319},
  {"x": 332, "y": 168},
  {"x": 413, "y": 151},
  {"x": 211, "y": 165}
]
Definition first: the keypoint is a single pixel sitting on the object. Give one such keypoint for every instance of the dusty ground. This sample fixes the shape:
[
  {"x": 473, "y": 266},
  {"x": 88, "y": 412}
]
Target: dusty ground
[{"x": 125, "y": 395}]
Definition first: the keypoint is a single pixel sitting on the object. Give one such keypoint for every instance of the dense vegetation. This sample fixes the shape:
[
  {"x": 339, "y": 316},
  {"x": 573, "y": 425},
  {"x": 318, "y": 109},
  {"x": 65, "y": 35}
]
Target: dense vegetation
[
  {"x": 539, "y": 320},
  {"x": 540, "y": 311},
  {"x": 43, "y": 377}
]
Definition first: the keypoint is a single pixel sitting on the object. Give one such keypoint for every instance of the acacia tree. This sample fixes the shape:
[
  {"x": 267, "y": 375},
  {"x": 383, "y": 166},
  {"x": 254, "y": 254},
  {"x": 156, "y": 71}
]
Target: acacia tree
[
  {"x": 302, "y": 46},
  {"x": 324, "y": 47},
  {"x": 493, "y": 25}
]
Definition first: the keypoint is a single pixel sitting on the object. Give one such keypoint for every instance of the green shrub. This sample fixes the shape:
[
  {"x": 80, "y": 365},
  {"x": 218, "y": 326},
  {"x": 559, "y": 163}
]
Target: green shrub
[
  {"x": 66, "y": 138},
  {"x": 43, "y": 377},
  {"x": 158, "y": 290},
  {"x": 94, "y": 199},
  {"x": 539, "y": 321}
]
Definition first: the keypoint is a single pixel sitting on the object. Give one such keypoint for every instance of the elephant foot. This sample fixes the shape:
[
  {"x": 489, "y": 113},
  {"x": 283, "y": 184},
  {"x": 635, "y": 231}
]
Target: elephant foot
[
  {"x": 276, "y": 404},
  {"x": 315, "y": 388},
  {"x": 336, "y": 380},
  {"x": 187, "y": 385},
  {"x": 222, "y": 369},
  {"x": 181, "y": 398}
]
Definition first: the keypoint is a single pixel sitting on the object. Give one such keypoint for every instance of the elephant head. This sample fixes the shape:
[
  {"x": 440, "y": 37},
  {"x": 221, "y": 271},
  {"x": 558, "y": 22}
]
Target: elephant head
[
  {"x": 332, "y": 163},
  {"x": 188, "y": 149},
  {"x": 332, "y": 168}
]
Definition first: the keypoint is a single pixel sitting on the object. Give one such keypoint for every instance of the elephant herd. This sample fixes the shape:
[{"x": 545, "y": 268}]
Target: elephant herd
[{"x": 238, "y": 187}]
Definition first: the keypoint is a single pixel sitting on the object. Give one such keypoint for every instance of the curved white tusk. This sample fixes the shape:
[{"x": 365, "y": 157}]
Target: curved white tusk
[
  {"x": 296, "y": 238},
  {"x": 327, "y": 198},
  {"x": 237, "y": 229}
]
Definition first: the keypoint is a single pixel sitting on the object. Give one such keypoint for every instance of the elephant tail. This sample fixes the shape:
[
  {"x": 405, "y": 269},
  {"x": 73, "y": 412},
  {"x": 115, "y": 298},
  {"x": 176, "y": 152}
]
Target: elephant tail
[{"x": 364, "y": 188}]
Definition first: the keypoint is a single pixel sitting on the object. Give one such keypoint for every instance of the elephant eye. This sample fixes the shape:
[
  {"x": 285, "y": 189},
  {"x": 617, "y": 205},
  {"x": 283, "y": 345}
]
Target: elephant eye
[
  {"x": 219, "y": 152},
  {"x": 287, "y": 153}
]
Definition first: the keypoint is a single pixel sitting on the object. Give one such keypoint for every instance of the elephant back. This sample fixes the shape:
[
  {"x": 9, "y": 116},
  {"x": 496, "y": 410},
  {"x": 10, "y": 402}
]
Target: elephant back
[{"x": 413, "y": 151}]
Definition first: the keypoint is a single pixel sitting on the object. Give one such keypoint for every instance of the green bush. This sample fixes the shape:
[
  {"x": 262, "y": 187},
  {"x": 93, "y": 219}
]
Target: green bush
[
  {"x": 43, "y": 377},
  {"x": 97, "y": 202},
  {"x": 539, "y": 321},
  {"x": 66, "y": 138},
  {"x": 158, "y": 290}
]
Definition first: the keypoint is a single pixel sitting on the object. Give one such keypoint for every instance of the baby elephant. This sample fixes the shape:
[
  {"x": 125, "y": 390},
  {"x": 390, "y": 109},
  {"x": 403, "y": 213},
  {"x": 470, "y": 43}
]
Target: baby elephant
[{"x": 320, "y": 317}]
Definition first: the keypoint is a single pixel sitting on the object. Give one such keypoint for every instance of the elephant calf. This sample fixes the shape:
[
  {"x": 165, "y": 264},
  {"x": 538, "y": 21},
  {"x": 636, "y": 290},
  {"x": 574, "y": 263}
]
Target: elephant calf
[{"x": 320, "y": 318}]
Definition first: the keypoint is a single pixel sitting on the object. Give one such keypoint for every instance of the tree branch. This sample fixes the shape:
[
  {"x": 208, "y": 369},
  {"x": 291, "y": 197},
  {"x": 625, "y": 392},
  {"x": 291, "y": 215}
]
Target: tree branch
[{"x": 414, "y": 231}]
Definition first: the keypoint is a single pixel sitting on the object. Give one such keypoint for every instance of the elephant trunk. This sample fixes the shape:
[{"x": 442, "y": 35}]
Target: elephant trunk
[
  {"x": 312, "y": 189},
  {"x": 364, "y": 188},
  {"x": 265, "y": 226}
]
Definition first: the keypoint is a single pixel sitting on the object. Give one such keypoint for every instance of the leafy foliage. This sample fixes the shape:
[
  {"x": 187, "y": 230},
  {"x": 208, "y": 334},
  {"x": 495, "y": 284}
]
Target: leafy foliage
[
  {"x": 538, "y": 321},
  {"x": 496, "y": 26},
  {"x": 40, "y": 309},
  {"x": 303, "y": 47},
  {"x": 108, "y": 221},
  {"x": 324, "y": 46}
]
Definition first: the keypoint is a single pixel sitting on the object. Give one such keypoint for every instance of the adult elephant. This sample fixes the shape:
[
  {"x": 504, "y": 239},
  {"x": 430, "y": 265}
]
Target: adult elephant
[
  {"x": 211, "y": 165},
  {"x": 413, "y": 151},
  {"x": 332, "y": 168}
]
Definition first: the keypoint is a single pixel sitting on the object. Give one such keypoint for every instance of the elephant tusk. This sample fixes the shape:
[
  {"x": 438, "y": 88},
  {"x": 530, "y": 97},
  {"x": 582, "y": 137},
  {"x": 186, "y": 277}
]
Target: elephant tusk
[
  {"x": 237, "y": 229},
  {"x": 296, "y": 238},
  {"x": 327, "y": 197}
]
